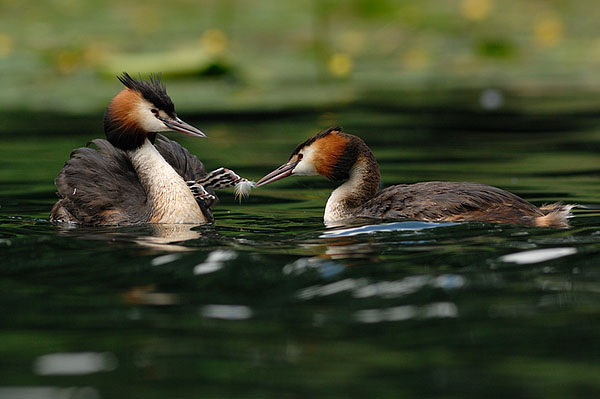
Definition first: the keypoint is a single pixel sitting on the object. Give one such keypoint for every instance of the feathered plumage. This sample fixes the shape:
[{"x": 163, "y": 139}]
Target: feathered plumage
[
  {"x": 136, "y": 175},
  {"x": 100, "y": 185},
  {"x": 343, "y": 157}
]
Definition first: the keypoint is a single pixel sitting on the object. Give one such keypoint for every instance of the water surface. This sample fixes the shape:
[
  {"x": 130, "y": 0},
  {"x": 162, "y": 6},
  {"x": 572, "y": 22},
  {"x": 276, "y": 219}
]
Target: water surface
[{"x": 269, "y": 302}]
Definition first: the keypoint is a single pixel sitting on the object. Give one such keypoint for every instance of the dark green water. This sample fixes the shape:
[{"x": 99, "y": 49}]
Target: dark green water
[{"x": 270, "y": 303}]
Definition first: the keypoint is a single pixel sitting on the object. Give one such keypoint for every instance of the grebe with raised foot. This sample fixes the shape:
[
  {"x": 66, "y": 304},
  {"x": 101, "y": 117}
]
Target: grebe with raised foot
[
  {"x": 340, "y": 156},
  {"x": 138, "y": 176}
]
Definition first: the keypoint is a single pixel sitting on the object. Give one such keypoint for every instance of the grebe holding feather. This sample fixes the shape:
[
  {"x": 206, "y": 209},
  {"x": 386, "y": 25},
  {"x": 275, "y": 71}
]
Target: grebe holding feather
[{"x": 343, "y": 157}]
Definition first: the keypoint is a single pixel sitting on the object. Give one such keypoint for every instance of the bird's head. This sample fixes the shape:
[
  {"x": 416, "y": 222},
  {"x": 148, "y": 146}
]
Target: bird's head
[
  {"x": 139, "y": 111},
  {"x": 331, "y": 154}
]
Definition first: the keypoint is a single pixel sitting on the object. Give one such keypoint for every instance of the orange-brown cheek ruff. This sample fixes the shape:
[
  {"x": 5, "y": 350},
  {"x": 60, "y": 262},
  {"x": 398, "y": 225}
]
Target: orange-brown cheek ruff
[
  {"x": 329, "y": 153},
  {"x": 123, "y": 108},
  {"x": 121, "y": 124}
]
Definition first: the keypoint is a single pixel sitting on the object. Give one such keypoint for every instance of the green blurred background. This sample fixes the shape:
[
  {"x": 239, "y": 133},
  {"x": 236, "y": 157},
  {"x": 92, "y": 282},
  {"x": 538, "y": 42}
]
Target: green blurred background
[{"x": 236, "y": 55}]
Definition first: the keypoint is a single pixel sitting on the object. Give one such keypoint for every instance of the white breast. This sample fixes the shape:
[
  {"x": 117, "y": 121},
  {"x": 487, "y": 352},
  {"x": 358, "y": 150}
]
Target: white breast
[
  {"x": 336, "y": 208},
  {"x": 170, "y": 198}
]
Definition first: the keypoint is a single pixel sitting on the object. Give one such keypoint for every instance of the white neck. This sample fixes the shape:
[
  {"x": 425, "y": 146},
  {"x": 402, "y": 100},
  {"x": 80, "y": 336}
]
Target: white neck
[
  {"x": 344, "y": 199},
  {"x": 168, "y": 195}
]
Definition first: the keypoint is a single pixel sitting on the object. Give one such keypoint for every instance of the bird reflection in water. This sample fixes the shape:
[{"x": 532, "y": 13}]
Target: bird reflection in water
[
  {"x": 344, "y": 245},
  {"x": 155, "y": 237},
  {"x": 167, "y": 237}
]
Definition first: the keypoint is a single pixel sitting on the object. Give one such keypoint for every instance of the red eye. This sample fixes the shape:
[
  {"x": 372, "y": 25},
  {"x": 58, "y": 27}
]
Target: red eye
[{"x": 300, "y": 157}]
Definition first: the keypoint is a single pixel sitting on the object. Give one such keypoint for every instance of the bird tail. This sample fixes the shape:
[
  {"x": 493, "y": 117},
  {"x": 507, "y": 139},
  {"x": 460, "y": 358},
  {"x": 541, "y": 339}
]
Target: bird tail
[{"x": 555, "y": 215}]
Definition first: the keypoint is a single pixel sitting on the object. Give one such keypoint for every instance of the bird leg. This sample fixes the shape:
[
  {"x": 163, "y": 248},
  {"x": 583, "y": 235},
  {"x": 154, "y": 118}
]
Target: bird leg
[
  {"x": 219, "y": 178},
  {"x": 222, "y": 178},
  {"x": 201, "y": 195}
]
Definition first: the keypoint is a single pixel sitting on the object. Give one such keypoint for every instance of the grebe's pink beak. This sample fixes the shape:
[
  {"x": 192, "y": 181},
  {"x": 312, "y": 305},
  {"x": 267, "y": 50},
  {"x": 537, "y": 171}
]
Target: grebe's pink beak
[
  {"x": 178, "y": 125},
  {"x": 284, "y": 170}
]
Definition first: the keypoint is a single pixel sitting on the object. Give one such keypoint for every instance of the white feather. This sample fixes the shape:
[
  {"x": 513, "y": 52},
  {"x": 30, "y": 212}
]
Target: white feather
[{"x": 242, "y": 189}]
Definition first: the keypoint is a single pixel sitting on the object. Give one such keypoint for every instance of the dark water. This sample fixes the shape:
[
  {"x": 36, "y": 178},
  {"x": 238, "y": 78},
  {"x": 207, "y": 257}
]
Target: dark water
[{"x": 270, "y": 303}]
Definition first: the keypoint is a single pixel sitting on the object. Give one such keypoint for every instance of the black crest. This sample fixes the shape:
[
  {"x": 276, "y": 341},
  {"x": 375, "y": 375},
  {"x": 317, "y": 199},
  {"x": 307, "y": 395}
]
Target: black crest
[
  {"x": 153, "y": 90},
  {"x": 314, "y": 138}
]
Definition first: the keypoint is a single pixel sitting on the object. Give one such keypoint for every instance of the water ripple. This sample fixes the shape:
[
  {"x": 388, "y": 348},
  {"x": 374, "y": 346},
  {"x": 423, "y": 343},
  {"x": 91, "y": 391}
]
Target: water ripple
[
  {"x": 376, "y": 228},
  {"x": 538, "y": 255}
]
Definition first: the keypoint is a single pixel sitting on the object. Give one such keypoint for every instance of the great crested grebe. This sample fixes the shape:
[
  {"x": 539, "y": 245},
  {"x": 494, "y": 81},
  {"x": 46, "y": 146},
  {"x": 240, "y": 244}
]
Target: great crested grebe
[
  {"x": 138, "y": 176},
  {"x": 339, "y": 156}
]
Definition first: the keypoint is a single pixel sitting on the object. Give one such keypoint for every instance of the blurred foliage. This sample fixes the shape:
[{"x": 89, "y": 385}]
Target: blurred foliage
[{"x": 62, "y": 54}]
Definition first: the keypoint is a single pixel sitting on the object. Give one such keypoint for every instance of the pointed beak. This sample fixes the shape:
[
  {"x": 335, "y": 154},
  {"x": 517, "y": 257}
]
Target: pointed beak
[
  {"x": 284, "y": 170},
  {"x": 178, "y": 125}
]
